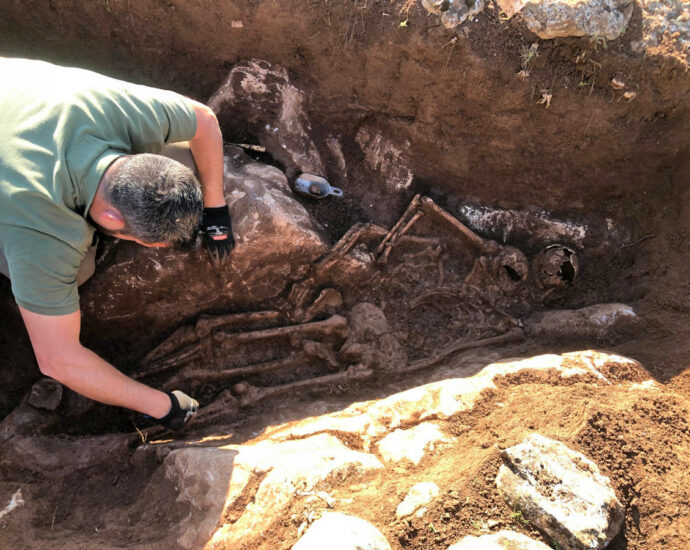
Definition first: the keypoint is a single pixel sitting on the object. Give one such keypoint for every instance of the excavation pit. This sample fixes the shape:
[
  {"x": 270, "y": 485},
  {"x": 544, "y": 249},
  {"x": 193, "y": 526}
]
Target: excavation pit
[{"x": 478, "y": 222}]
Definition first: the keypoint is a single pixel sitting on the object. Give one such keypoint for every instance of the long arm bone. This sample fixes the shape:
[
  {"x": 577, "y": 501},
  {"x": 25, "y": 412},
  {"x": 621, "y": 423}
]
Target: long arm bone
[
  {"x": 302, "y": 291},
  {"x": 483, "y": 246},
  {"x": 510, "y": 258},
  {"x": 515, "y": 335},
  {"x": 251, "y": 395}
]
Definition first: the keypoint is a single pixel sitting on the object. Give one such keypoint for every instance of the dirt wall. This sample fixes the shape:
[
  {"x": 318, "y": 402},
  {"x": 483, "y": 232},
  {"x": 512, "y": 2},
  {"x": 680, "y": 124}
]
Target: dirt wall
[{"x": 474, "y": 127}]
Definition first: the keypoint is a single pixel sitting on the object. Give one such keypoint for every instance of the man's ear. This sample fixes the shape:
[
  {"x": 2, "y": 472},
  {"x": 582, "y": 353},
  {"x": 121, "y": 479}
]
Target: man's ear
[{"x": 112, "y": 219}]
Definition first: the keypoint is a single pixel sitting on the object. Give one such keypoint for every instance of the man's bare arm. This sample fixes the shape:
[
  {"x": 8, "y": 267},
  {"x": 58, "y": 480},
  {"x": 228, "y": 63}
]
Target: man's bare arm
[
  {"x": 61, "y": 356},
  {"x": 207, "y": 150}
]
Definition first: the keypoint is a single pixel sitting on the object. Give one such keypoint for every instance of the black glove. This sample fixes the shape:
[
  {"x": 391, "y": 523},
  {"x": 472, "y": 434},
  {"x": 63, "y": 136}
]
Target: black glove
[
  {"x": 217, "y": 232},
  {"x": 182, "y": 410}
]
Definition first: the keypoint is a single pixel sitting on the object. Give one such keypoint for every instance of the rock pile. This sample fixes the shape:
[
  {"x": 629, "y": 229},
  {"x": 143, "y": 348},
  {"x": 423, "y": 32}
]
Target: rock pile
[{"x": 252, "y": 487}]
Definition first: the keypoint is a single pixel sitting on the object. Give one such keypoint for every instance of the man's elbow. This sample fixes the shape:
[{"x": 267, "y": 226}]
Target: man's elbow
[
  {"x": 49, "y": 367},
  {"x": 54, "y": 364}
]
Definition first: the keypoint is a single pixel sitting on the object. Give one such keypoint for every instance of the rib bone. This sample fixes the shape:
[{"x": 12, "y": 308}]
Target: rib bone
[{"x": 251, "y": 395}]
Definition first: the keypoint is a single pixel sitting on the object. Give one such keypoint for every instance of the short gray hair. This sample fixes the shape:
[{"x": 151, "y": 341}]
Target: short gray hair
[{"x": 159, "y": 198}]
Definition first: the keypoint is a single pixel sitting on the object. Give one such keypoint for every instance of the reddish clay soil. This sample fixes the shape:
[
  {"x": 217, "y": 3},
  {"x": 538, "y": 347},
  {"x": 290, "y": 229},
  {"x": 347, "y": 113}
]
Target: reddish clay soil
[{"x": 476, "y": 134}]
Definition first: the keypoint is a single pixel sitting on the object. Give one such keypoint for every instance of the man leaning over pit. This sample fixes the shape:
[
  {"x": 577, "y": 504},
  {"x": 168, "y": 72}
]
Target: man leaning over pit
[{"x": 78, "y": 153}]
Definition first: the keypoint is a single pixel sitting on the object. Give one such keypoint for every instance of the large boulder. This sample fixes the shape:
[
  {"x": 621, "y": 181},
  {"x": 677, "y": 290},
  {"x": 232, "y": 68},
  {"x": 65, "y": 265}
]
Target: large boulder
[
  {"x": 337, "y": 531},
  {"x": 555, "y": 18},
  {"x": 261, "y": 95},
  {"x": 561, "y": 492}
]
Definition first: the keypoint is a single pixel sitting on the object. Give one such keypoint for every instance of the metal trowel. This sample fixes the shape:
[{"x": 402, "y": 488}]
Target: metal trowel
[{"x": 315, "y": 187}]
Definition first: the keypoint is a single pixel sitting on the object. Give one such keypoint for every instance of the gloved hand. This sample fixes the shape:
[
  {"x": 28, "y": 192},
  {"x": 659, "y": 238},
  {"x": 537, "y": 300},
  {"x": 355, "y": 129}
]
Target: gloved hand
[
  {"x": 182, "y": 411},
  {"x": 217, "y": 232}
]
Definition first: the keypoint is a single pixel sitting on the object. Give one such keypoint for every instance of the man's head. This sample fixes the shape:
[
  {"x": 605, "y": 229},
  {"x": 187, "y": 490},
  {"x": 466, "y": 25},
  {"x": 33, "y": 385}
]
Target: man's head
[{"x": 150, "y": 199}]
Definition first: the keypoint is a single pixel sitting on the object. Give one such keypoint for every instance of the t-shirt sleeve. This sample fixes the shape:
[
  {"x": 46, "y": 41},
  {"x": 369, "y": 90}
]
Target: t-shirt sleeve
[
  {"x": 157, "y": 117},
  {"x": 43, "y": 273}
]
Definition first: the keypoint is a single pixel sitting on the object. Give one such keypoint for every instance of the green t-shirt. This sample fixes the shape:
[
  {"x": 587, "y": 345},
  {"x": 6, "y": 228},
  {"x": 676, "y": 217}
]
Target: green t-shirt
[{"x": 60, "y": 128}]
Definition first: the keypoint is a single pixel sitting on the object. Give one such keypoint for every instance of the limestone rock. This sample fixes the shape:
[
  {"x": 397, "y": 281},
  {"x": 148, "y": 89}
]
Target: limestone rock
[
  {"x": 57, "y": 458},
  {"x": 336, "y": 531},
  {"x": 535, "y": 228},
  {"x": 664, "y": 18},
  {"x": 261, "y": 95},
  {"x": 267, "y": 220},
  {"x": 561, "y": 492},
  {"x": 411, "y": 444},
  {"x": 453, "y": 12},
  {"x": 503, "y": 540},
  {"x": 418, "y": 496},
  {"x": 276, "y": 241},
  {"x": 598, "y": 321},
  {"x": 45, "y": 394},
  {"x": 554, "y": 18},
  {"x": 266, "y": 476},
  {"x": 385, "y": 155},
  {"x": 364, "y": 423},
  {"x": 201, "y": 479}
]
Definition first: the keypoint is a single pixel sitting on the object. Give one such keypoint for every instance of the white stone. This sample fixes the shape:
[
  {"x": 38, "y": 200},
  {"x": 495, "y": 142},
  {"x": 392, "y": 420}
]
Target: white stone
[
  {"x": 597, "y": 321},
  {"x": 273, "y": 473},
  {"x": 503, "y": 540},
  {"x": 561, "y": 492},
  {"x": 411, "y": 444},
  {"x": 386, "y": 157},
  {"x": 16, "y": 501},
  {"x": 418, "y": 496},
  {"x": 336, "y": 531},
  {"x": 453, "y": 12},
  {"x": 201, "y": 479},
  {"x": 364, "y": 423},
  {"x": 555, "y": 18}
]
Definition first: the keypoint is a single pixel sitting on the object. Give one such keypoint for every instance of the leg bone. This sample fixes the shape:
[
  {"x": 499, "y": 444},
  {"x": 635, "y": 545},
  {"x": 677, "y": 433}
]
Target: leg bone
[
  {"x": 203, "y": 327},
  {"x": 205, "y": 376},
  {"x": 335, "y": 326},
  {"x": 515, "y": 335},
  {"x": 251, "y": 395}
]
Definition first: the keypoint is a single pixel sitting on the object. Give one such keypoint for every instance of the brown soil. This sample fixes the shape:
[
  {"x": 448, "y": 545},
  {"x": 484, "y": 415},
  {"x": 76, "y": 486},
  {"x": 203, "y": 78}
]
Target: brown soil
[
  {"x": 477, "y": 135},
  {"x": 640, "y": 442}
]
